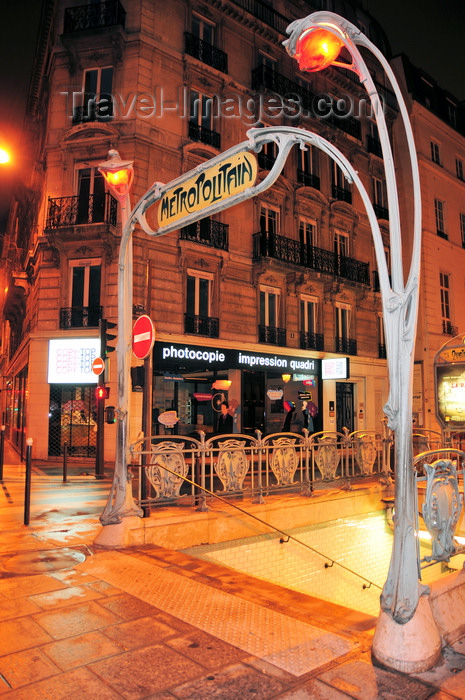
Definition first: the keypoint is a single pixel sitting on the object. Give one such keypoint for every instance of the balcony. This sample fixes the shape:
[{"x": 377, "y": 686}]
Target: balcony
[
  {"x": 448, "y": 328},
  {"x": 204, "y": 135},
  {"x": 349, "y": 125},
  {"x": 207, "y": 232},
  {"x": 272, "y": 245},
  {"x": 308, "y": 179},
  {"x": 381, "y": 212},
  {"x": 94, "y": 16},
  {"x": 312, "y": 341},
  {"x": 269, "y": 79},
  {"x": 271, "y": 335},
  {"x": 80, "y": 317},
  {"x": 341, "y": 194},
  {"x": 205, "y": 52},
  {"x": 265, "y": 13},
  {"x": 101, "y": 111},
  {"x": 76, "y": 211},
  {"x": 201, "y": 325},
  {"x": 347, "y": 346}
]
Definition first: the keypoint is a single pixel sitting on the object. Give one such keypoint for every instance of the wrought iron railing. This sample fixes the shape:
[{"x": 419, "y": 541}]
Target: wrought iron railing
[
  {"x": 448, "y": 328},
  {"x": 207, "y": 232},
  {"x": 272, "y": 335},
  {"x": 266, "y": 77},
  {"x": 348, "y": 346},
  {"x": 264, "y": 12},
  {"x": 381, "y": 212},
  {"x": 94, "y": 16},
  {"x": 77, "y": 210},
  {"x": 243, "y": 465},
  {"x": 205, "y": 52},
  {"x": 341, "y": 194},
  {"x": 349, "y": 125},
  {"x": 272, "y": 245},
  {"x": 80, "y": 316},
  {"x": 312, "y": 341},
  {"x": 204, "y": 135},
  {"x": 308, "y": 179},
  {"x": 201, "y": 325}
]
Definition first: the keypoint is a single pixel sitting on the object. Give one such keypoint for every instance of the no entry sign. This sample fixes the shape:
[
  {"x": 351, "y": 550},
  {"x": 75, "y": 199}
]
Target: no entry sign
[
  {"x": 143, "y": 336},
  {"x": 98, "y": 365}
]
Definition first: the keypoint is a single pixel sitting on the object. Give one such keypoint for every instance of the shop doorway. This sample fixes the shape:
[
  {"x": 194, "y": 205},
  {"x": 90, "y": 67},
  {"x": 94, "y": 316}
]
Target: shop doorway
[
  {"x": 72, "y": 419},
  {"x": 253, "y": 410},
  {"x": 344, "y": 406}
]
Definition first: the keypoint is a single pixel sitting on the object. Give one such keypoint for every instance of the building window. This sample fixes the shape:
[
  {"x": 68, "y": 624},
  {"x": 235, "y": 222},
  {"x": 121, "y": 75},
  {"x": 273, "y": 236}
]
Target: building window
[
  {"x": 198, "y": 317},
  {"x": 343, "y": 342},
  {"x": 462, "y": 229},
  {"x": 97, "y": 100},
  {"x": 439, "y": 207},
  {"x": 307, "y": 232},
  {"x": 269, "y": 219},
  {"x": 381, "y": 337},
  {"x": 341, "y": 243},
  {"x": 459, "y": 168},
  {"x": 201, "y": 119},
  {"x": 269, "y": 306},
  {"x": 84, "y": 294},
  {"x": 267, "y": 61},
  {"x": 90, "y": 197},
  {"x": 380, "y": 198},
  {"x": 267, "y": 156},
  {"x": 452, "y": 113},
  {"x": 308, "y": 311},
  {"x": 444, "y": 287},
  {"x": 340, "y": 186},
  {"x": 307, "y": 167},
  {"x": 435, "y": 157},
  {"x": 203, "y": 29}
]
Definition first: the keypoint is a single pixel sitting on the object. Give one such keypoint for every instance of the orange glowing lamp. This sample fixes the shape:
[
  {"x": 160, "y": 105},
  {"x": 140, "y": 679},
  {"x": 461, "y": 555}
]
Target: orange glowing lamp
[
  {"x": 118, "y": 174},
  {"x": 4, "y": 156},
  {"x": 317, "y": 49}
]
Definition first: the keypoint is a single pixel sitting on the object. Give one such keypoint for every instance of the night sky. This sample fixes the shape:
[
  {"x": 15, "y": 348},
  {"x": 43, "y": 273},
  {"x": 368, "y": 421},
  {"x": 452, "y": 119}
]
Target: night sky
[{"x": 430, "y": 32}]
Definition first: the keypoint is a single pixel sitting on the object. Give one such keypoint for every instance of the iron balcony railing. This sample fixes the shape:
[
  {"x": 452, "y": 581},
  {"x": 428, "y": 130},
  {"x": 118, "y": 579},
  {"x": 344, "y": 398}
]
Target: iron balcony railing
[
  {"x": 94, "y": 16},
  {"x": 100, "y": 111},
  {"x": 448, "y": 328},
  {"x": 341, "y": 194},
  {"x": 201, "y": 325},
  {"x": 264, "y": 12},
  {"x": 204, "y": 135},
  {"x": 348, "y": 346},
  {"x": 272, "y": 245},
  {"x": 381, "y": 212},
  {"x": 349, "y": 125},
  {"x": 308, "y": 179},
  {"x": 80, "y": 317},
  {"x": 272, "y": 335},
  {"x": 312, "y": 341},
  {"x": 207, "y": 232},
  {"x": 266, "y": 77},
  {"x": 205, "y": 52},
  {"x": 77, "y": 210}
]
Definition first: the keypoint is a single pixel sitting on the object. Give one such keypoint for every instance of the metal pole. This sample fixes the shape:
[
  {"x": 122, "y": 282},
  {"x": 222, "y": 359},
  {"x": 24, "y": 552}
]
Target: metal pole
[
  {"x": 27, "y": 489},
  {"x": 2, "y": 450},
  {"x": 65, "y": 461}
]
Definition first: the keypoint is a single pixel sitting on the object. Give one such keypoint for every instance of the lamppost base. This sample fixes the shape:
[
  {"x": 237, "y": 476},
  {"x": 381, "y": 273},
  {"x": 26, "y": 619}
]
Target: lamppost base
[
  {"x": 118, "y": 535},
  {"x": 410, "y": 648}
]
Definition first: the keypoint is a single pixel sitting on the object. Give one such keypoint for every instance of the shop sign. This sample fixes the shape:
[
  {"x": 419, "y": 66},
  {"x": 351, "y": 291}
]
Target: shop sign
[
  {"x": 275, "y": 394},
  {"x": 70, "y": 360},
  {"x": 305, "y": 396},
  {"x": 214, "y": 184},
  {"x": 168, "y": 418},
  {"x": 202, "y": 397},
  {"x": 335, "y": 368}
]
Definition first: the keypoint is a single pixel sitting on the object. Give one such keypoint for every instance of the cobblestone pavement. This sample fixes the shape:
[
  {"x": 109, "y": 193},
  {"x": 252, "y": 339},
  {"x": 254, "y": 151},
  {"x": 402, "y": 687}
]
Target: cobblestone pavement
[{"x": 147, "y": 622}]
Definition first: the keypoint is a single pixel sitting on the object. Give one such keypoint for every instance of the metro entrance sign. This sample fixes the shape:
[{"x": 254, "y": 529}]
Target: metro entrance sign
[{"x": 143, "y": 337}]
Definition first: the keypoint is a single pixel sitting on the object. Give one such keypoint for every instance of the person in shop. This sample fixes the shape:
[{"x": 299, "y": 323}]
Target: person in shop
[{"x": 225, "y": 420}]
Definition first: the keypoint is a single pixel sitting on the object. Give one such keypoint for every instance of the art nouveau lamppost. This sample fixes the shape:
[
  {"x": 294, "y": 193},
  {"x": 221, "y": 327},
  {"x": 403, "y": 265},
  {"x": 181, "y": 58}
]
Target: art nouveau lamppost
[
  {"x": 119, "y": 175},
  {"x": 316, "y": 42}
]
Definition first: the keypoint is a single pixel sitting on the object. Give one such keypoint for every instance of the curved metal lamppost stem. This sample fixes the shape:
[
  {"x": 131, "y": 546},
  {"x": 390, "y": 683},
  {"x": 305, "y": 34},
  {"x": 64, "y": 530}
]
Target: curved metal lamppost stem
[{"x": 402, "y": 589}]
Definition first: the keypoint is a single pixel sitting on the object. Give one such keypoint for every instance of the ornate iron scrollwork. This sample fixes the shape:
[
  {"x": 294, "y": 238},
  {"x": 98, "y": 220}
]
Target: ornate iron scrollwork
[
  {"x": 167, "y": 454},
  {"x": 328, "y": 457},
  {"x": 442, "y": 508},
  {"x": 284, "y": 460},
  {"x": 232, "y": 465}
]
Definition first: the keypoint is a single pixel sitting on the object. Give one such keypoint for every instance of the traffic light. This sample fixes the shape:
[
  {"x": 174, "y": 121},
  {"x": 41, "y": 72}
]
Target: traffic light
[
  {"x": 106, "y": 337},
  {"x": 110, "y": 414},
  {"x": 102, "y": 392}
]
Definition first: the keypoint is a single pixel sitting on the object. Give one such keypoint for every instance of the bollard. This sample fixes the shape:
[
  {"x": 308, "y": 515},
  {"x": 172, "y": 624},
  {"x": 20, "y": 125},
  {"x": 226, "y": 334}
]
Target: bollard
[
  {"x": 2, "y": 450},
  {"x": 65, "y": 461},
  {"x": 27, "y": 490}
]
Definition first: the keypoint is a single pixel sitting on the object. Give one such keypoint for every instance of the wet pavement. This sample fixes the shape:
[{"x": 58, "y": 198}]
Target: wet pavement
[{"x": 148, "y": 622}]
